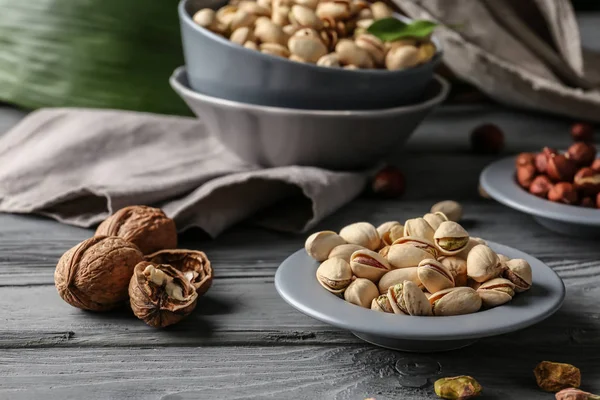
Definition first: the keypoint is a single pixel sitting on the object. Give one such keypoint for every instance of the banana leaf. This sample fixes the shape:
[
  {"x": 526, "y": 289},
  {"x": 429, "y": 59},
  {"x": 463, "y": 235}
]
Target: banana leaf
[{"x": 90, "y": 53}]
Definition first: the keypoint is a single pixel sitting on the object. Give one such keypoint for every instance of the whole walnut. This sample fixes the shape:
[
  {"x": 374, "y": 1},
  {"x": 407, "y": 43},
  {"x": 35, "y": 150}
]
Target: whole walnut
[
  {"x": 146, "y": 227},
  {"x": 194, "y": 265},
  {"x": 95, "y": 274}
]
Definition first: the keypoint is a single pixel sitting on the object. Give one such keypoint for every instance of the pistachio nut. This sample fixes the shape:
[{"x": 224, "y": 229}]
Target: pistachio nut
[
  {"x": 303, "y": 44},
  {"x": 329, "y": 37},
  {"x": 473, "y": 284},
  {"x": 396, "y": 232},
  {"x": 350, "y": 54},
  {"x": 483, "y": 264},
  {"x": 264, "y": 3},
  {"x": 368, "y": 264},
  {"x": 274, "y": 49},
  {"x": 575, "y": 394},
  {"x": 226, "y": 14},
  {"x": 305, "y": 17},
  {"x": 359, "y": 5},
  {"x": 268, "y": 32},
  {"x": 361, "y": 292},
  {"x": 457, "y": 267},
  {"x": 296, "y": 58},
  {"x": 451, "y": 208},
  {"x": 344, "y": 251},
  {"x": 407, "y": 298},
  {"x": 552, "y": 376},
  {"x": 473, "y": 241},
  {"x": 280, "y": 15},
  {"x": 336, "y": 9},
  {"x": 396, "y": 276},
  {"x": 291, "y": 29},
  {"x": 251, "y": 45},
  {"x": 382, "y": 304},
  {"x": 503, "y": 259},
  {"x": 241, "y": 19},
  {"x": 242, "y": 35},
  {"x": 434, "y": 275},
  {"x": 312, "y": 4},
  {"x": 435, "y": 220},
  {"x": 385, "y": 227},
  {"x": 261, "y": 20},
  {"x": 401, "y": 43},
  {"x": 384, "y": 251},
  {"x": 364, "y": 15},
  {"x": 361, "y": 233},
  {"x": 253, "y": 8},
  {"x": 329, "y": 60},
  {"x": 518, "y": 271},
  {"x": 380, "y": 10},
  {"x": 450, "y": 238},
  {"x": 206, "y": 18},
  {"x": 455, "y": 301},
  {"x": 418, "y": 242},
  {"x": 406, "y": 255},
  {"x": 496, "y": 292},
  {"x": 418, "y": 227},
  {"x": 373, "y": 45},
  {"x": 334, "y": 275},
  {"x": 319, "y": 244},
  {"x": 426, "y": 52},
  {"x": 350, "y": 66},
  {"x": 457, "y": 388},
  {"x": 401, "y": 57}
]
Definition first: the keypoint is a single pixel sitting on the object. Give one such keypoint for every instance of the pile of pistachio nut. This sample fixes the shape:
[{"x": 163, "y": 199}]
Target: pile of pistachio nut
[
  {"x": 329, "y": 33},
  {"x": 428, "y": 266}
]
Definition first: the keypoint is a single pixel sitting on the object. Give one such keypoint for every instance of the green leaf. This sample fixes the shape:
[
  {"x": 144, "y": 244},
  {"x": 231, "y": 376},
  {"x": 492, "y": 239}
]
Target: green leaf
[
  {"x": 90, "y": 53},
  {"x": 390, "y": 29}
]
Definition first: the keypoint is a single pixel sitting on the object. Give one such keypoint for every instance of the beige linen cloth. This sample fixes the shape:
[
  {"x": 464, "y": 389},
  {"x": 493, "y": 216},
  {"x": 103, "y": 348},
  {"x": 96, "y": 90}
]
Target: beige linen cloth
[{"x": 78, "y": 166}]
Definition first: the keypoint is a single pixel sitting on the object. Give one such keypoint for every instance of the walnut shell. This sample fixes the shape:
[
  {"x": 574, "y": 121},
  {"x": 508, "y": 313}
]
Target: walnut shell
[
  {"x": 185, "y": 261},
  {"x": 153, "y": 303},
  {"x": 95, "y": 274},
  {"x": 146, "y": 227}
]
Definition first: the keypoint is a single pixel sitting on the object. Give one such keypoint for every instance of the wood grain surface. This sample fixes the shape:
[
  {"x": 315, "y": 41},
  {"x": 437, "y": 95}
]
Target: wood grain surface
[{"x": 244, "y": 342}]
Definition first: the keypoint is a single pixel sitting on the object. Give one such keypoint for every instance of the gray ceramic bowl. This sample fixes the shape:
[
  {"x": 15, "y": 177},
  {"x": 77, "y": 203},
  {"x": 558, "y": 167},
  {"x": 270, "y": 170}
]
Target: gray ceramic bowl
[
  {"x": 220, "y": 68},
  {"x": 273, "y": 137},
  {"x": 296, "y": 283},
  {"x": 498, "y": 180}
]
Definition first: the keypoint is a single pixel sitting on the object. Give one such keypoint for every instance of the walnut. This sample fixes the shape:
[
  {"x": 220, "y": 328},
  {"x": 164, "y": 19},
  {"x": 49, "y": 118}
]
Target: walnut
[
  {"x": 193, "y": 264},
  {"x": 95, "y": 274},
  {"x": 160, "y": 295},
  {"x": 146, "y": 227}
]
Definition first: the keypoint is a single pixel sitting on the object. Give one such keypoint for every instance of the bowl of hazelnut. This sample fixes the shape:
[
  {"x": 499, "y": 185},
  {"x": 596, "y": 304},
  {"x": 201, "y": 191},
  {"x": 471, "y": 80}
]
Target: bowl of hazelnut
[
  {"x": 307, "y": 54},
  {"x": 561, "y": 189}
]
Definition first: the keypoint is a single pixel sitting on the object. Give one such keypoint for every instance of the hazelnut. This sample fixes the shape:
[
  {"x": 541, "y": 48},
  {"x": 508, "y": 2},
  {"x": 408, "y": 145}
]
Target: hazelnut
[
  {"x": 389, "y": 182},
  {"x": 582, "y": 132},
  {"x": 525, "y": 159},
  {"x": 487, "y": 139},
  {"x": 146, "y": 227},
  {"x": 541, "y": 159},
  {"x": 587, "y": 202},
  {"x": 560, "y": 168},
  {"x": 583, "y": 154},
  {"x": 563, "y": 192},
  {"x": 540, "y": 186},
  {"x": 596, "y": 165},
  {"x": 525, "y": 175},
  {"x": 587, "y": 181}
]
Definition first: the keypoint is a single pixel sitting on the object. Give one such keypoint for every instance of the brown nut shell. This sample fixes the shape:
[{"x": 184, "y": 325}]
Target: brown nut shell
[
  {"x": 540, "y": 186},
  {"x": 146, "y": 227},
  {"x": 94, "y": 275},
  {"x": 194, "y": 265},
  {"x": 525, "y": 175},
  {"x": 153, "y": 302},
  {"x": 582, "y": 154},
  {"x": 561, "y": 169},
  {"x": 563, "y": 192},
  {"x": 525, "y": 159},
  {"x": 587, "y": 181}
]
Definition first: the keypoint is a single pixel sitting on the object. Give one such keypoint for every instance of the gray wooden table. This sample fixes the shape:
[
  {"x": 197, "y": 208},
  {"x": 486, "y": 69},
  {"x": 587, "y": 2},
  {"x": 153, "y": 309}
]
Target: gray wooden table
[{"x": 243, "y": 341}]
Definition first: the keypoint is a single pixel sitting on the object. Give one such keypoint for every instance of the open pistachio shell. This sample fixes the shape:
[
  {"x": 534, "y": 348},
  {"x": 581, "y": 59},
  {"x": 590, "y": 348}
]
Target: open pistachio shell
[
  {"x": 435, "y": 220},
  {"x": 334, "y": 275},
  {"x": 396, "y": 276},
  {"x": 450, "y": 238},
  {"x": 496, "y": 292},
  {"x": 344, "y": 251},
  {"x": 434, "y": 275},
  {"x": 361, "y": 233},
  {"x": 382, "y": 304},
  {"x": 420, "y": 243},
  {"x": 407, "y": 298},
  {"x": 361, "y": 292},
  {"x": 319, "y": 244},
  {"x": 406, "y": 255},
  {"x": 450, "y": 208},
  {"x": 473, "y": 241},
  {"x": 483, "y": 264},
  {"x": 386, "y": 227},
  {"x": 455, "y": 301},
  {"x": 519, "y": 272},
  {"x": 369, "y": 264},
  {"x": 418, "y": 227},
  {"x": 384, "y": 251},
  {"x": 395, "y": 233},
  {"x": 457, "y": 267}
]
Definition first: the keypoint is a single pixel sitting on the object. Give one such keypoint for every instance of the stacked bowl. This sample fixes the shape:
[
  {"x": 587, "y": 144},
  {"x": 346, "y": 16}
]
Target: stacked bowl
[{"x": 272, "y": 110}]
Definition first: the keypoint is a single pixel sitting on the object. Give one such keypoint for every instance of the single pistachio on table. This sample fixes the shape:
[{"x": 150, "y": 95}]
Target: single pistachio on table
[
  {"x": 406, "y": 298},
  {"x": 320, "y": 244},
  {"x": 334, "y": 275},
  {"x": 457, "y": 388},
  {"x": 496, "y": 292},
  {"x": 401, "y": 57},
  {"x": 194, "y": 265},
  {"x": 451, "y": 209},
  {"x": 160, "y": 295},
  {"x": 368, "y": 264},
  {"x": 434, "y": 275},
  {"x": 455, "y": 301},
  {"x": 406, "y": 255},
  {"x": 552, "y": 376},
  {"x": 361, "y": 233},
  {"x": 393, "y": 234},
  {"x": 450, "y": 238},
  {"x": 418, "y": 227},
  {"x": 483, "y": 264},
  {"x": 344, "y": 251},
  {"x": 361, "y": 292},
  {"x": 457, "y": 267},
  {"x": 518, "y": 271},
  {"x": 575, "y": 394},
  {"x": 435, "y": 220},
  {"x": 396, "y": 276},
  {"x": 382, "y": 304},
  {"x": 419, "y": 243}
]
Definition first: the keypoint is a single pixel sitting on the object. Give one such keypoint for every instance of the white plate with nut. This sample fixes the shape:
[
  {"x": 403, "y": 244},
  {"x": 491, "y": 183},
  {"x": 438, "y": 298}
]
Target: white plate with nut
[{"x": 403, "y": 298}]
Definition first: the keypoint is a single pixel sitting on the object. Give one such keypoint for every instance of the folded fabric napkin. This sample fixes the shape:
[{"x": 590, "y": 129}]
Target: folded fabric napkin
[{"x": 81, "y": 165}]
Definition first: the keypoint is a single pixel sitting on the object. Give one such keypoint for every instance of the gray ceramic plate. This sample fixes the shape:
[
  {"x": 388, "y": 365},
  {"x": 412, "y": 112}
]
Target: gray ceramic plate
[
  {"x": 498, "y": 180},
  {"x": 296, "y": 283}
]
